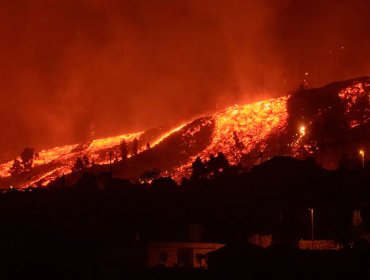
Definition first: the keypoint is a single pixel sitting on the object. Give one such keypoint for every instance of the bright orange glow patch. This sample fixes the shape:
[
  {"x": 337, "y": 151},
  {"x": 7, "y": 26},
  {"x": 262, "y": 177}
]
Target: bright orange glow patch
[
  {"x": 251, "y": 124},
  {"x": 241, "y": 128},
  {"x": 354, "y": 98},
  {"x": 238, "y": 132},
  {"x": 165, "y": 135},
  {"x": 61, "y": 159}
]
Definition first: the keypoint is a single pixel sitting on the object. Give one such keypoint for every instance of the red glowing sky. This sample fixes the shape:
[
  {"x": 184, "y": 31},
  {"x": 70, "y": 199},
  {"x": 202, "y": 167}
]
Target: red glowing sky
[{"x": 129, "y": 65}]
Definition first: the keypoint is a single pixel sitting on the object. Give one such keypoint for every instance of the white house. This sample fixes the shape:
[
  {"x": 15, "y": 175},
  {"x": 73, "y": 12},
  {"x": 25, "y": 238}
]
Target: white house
[{"x": 180, "y": 254}]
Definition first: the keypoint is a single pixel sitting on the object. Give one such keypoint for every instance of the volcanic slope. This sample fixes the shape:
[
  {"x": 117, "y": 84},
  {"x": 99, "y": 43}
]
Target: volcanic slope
[{"x": 329, "y": 124}]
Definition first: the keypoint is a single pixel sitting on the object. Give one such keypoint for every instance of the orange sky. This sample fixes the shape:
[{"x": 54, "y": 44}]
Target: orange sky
[{"x": 130, "y": 65}]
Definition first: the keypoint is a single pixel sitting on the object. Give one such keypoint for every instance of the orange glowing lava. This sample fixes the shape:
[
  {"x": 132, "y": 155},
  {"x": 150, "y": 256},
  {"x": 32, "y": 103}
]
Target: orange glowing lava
[
  {"x": 241, "y": 128},
  {"x": 59, "y": 160},
  {"x": 356, "y": 99},
  {"x": 247, "y": 132}
]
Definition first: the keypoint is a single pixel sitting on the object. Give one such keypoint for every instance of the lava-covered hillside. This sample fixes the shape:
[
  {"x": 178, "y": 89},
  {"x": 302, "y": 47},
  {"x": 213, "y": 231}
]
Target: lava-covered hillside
[
  {"x": 330, "y": 124},
  {"x": 333, "y": 123}
]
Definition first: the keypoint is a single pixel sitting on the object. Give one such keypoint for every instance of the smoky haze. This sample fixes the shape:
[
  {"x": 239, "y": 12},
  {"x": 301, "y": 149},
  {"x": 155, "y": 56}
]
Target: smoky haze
[{"x": 130, "y": 65}]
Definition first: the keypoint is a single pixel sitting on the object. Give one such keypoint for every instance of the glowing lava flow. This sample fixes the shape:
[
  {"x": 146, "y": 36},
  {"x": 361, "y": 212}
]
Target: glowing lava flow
[
  {"x": 247, "y": 134},
  {"x": 356, "y": 97},
  {"x": 240, "y": 129},
  {"x": 55, "y": 162},
  {"x": 251, "y": 124},
  {"x": 165, "y": 135},
  {"x": 59, "y": 160}
]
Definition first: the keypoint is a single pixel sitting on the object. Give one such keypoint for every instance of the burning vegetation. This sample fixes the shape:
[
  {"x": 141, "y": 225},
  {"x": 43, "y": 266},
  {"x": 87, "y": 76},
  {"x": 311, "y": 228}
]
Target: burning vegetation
[{"x": 329, "y": 124}]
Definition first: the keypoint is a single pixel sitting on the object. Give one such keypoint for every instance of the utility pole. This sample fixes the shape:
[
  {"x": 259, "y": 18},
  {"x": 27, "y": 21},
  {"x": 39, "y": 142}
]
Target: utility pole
[
  {"x": 311, "y": 212},
  {"x": 110, "y": 164}
]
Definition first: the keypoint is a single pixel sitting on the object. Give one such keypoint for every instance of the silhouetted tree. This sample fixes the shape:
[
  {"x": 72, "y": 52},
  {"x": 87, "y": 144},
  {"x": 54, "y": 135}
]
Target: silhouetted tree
[
  {"x": 199, "y": 169},
  {"x": 27, "y": 158},
  {"x": 149, "y": 175},
  {"x": 147, "y": 146},
  {"x": 223, "y": 163},
  {"x": 238, "y": 144},
  {"x": 135, "y": 144},
  {"x": 63, "y": 181},
  {"x": 86, "y": 161},
  {"x": 217, "y": 164},
  {"x": 124, "y": 150},
  {"x": 163, "y": 183},
  {"x": 79, "y": 165},
  {"x": 16, "y": 168},
  {"x": 211, "y": 164}
]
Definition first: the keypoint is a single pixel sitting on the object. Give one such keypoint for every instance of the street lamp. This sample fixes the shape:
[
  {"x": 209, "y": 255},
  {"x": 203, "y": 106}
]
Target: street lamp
[
  {"x": 362, "y": 153},
  {"x": 311, "y": 211}
]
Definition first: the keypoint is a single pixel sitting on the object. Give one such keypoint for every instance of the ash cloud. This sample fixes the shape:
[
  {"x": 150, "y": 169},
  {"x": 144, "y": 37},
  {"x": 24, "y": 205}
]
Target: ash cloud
[{"x": 131, "y": 65}]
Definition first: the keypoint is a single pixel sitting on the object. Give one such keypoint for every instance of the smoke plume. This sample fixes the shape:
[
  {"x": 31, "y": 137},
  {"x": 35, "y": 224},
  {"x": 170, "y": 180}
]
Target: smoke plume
[{"x": 127, "y": 65}]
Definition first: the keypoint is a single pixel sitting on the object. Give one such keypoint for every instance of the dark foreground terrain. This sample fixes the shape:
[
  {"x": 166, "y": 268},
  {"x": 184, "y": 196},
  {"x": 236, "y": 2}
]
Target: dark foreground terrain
[{"x": 100, "y": 227}]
